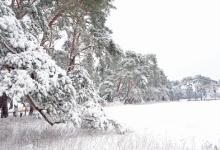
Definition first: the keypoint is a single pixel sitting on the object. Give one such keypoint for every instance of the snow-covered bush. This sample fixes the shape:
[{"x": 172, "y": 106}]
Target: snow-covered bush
[
  {"x": 93, "y": 117},
  {"x": 89, "y": 101},
  {"x": 85, "y": 90}
]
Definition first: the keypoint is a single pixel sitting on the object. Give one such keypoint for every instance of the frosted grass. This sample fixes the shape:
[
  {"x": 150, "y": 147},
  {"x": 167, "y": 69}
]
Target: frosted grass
[{"x": 163, "y": 126}]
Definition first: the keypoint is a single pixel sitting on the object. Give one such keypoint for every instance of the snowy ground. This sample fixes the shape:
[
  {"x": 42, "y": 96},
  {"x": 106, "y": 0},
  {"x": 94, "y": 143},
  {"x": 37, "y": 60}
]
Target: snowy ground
[
  {"x": 191, "y": 124},
  {"x": 162, "y": 126}
]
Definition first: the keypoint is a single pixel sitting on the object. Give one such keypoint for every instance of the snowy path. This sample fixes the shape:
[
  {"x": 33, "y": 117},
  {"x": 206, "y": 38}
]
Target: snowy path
[{"x": 188, "y": 122}]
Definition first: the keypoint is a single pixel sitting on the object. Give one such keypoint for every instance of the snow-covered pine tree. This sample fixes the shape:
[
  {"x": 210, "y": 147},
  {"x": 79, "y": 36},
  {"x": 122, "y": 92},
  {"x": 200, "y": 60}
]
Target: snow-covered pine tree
[
  {"x": 28, "y": 72},
  {"x": 132, "y": 78},
  {"x": 199, "y": 87}
]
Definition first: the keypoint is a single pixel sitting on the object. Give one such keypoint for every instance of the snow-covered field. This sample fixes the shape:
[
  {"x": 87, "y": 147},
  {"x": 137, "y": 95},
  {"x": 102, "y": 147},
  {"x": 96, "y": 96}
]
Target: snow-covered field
[
  {"x": 163, "y": 126},
  {"x": 192, "y": 124}
]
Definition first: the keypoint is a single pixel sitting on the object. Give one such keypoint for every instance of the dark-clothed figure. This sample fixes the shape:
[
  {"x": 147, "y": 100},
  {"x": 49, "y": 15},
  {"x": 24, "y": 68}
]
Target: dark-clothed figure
[{"x": 4, "y": 105}]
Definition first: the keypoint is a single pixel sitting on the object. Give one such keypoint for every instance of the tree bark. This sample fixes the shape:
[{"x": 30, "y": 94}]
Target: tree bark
[
  {"x": 11, "y": 104},
  {"x": 31, "y": 110},
  {"x": 12, "y": 3},
  {"x": 71, "y": 64},
  {"x": 59, "y": 14}
]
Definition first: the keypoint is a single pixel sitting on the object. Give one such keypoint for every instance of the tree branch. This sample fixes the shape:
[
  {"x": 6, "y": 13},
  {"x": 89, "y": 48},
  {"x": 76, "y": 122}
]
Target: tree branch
[
  {"x": 82, "y": 50},
  {"x": 18, "y": 4},
  {"x": 22, "y": 14},
  {"x": 59, "y": 14},
  {"x": 12, "y": 50},
  {"x": 40, "y": 110}
]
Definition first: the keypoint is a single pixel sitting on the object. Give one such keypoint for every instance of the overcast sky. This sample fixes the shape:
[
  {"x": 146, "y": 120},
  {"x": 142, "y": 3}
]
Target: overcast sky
[{"x": 184, "y": 34}]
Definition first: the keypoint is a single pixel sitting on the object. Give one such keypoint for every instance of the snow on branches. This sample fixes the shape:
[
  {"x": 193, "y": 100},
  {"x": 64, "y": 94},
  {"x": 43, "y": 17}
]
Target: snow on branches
[
  {"x": 34, "y": 73},
  {"x": 89, "y": 101},
  {"x": 28, "y": 73},
  {"x": 13, "y": 37}
]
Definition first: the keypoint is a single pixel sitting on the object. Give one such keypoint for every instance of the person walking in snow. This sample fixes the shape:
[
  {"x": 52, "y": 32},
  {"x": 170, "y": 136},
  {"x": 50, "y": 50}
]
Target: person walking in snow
[{"x": 4, "y": 105}]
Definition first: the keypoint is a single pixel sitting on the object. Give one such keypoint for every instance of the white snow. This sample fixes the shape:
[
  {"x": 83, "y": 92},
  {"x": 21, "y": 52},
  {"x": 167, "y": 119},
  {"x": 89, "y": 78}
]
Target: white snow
[
  {"x": 187, "y": 122},
  {"x": 163, "y": 126},
  {"x": 58, "y": 44}
]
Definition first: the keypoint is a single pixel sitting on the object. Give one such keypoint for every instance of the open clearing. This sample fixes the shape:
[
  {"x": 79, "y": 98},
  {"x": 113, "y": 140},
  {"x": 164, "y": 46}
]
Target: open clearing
[{"x": 186, "y": 125}]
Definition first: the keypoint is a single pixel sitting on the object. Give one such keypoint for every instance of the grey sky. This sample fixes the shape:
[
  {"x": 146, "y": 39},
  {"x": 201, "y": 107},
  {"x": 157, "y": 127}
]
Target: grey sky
[{"x": 184, "y": 34}]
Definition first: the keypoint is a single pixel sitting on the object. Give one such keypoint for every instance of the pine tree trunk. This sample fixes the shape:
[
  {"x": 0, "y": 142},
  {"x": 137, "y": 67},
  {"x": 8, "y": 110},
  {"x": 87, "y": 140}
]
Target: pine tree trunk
[
  {"x": 31, "y": 111},
  {"x": 71, "y": 64},
  {"x": 73, "y": 50},
  {"x": 12, "y": 3},
  {"x": 25, "y": 108},
  {"x": 15, "y": 113},
  {"x": 0, "y": 102},
  {"x": 11, "y": 105}
]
